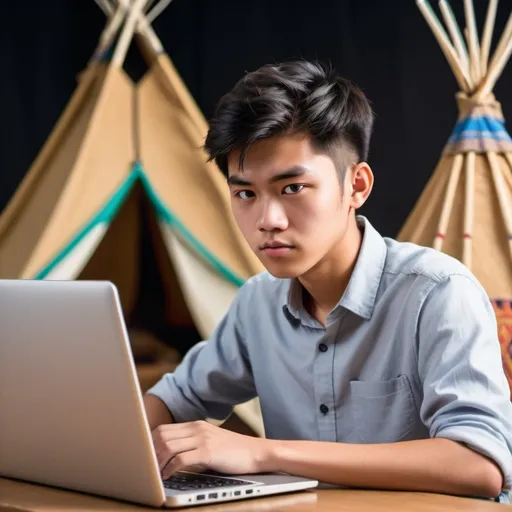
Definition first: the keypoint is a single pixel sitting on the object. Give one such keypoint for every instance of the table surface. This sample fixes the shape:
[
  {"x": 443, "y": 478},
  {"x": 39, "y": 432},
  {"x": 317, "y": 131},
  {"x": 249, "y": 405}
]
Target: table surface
[{"x": 20, "y": 496}]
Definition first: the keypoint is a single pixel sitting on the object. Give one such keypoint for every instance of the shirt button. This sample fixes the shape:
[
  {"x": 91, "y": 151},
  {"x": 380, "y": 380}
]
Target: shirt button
[
  {"x": 324, "y": 409},
  {"x": 322, "y": 347}
]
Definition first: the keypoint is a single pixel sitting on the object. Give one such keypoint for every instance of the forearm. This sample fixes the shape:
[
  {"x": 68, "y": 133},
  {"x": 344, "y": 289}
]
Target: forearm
[
  {"x": 432, "y": 465},
  {"x": 156, "y": 411}
]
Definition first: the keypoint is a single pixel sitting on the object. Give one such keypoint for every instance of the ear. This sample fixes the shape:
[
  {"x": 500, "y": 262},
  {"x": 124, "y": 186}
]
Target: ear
[{"x": 360, "y": 184}]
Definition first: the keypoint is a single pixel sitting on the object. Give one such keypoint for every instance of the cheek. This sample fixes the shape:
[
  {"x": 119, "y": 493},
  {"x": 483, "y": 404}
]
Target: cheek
[
  {"x": 319, "y": 209},
  {"x": 332, "y": 198}
]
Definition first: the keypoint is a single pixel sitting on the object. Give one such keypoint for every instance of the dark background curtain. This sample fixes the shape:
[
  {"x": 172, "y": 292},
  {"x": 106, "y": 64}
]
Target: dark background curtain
[{"x": 383, "y": 46}]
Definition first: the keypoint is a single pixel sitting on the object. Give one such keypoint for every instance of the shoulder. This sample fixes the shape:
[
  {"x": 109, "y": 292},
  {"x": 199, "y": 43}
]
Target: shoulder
[
  {"x": 424, "y": 276},
  {"x": 430, "y": 265}
]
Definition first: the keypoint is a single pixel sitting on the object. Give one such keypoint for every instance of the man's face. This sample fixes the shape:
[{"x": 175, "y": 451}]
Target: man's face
[{"x": 288, "y": 203}]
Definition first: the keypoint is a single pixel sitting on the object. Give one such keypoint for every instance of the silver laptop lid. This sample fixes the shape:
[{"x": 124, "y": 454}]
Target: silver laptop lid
[{"x": 71, "y": 413}]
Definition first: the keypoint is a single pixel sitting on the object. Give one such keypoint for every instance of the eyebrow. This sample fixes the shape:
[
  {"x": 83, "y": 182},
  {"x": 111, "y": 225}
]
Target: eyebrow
[{"x": 292, "y": 172}]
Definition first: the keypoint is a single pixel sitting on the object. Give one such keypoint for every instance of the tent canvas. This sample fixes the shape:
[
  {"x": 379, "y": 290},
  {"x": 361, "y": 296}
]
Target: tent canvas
[
  {"x": 465, "y": 209},
  {"x": 118, "y": 148}
]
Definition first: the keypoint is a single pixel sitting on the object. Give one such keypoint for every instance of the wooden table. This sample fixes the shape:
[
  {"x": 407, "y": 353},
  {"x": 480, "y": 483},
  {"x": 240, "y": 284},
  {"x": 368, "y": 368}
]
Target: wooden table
[{"x": 22, "y": 497}]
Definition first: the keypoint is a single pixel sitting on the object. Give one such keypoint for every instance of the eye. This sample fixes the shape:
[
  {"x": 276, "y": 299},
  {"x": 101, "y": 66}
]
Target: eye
[
  {"x": 245, "y": 194},
  {"x": 292, "y": 189}
]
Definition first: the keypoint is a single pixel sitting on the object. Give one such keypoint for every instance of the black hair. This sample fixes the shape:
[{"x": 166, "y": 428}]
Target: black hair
[{"x": 294, "y": 97}]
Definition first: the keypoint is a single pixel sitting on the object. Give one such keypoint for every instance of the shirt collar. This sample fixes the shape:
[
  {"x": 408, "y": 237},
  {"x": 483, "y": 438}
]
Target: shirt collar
[{"x": 361, "y": 292}]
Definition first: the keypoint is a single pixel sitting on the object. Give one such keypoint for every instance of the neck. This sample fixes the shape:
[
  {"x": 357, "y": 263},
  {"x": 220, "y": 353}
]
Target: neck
[{"x": 326, "y": 282}]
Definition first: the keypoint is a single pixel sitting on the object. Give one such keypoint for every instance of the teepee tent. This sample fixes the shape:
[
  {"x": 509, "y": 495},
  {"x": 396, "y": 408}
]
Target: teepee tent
[
  {"x": 122, "y": 170},
  {"x": 466, "y": 207}
]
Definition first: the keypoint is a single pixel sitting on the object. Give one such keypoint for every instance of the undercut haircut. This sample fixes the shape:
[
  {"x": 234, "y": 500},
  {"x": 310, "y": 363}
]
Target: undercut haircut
[{"x": 295, "y": 97}]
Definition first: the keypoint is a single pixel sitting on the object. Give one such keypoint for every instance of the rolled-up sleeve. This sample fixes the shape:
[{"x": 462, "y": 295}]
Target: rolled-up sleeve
[
  {"x": 466, "y": 394},
  {"x": 214, "y": 376}
]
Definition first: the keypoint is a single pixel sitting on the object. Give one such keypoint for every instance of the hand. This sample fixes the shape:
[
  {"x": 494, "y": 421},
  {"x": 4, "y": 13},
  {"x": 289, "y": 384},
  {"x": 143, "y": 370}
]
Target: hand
[{"x": 182, "y": 445}]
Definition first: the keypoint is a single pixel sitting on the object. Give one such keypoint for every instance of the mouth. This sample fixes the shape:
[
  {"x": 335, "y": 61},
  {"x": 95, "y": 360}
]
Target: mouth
[{"x": 276, "y": 249}]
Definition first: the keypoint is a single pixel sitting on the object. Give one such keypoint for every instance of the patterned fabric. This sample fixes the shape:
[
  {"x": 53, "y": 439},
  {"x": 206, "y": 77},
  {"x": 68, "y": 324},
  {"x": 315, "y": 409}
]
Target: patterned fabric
[{"x": 503, "y": 310}]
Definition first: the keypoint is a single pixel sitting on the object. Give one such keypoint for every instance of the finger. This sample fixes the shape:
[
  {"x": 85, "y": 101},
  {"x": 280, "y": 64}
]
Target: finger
[
  {"x": 176, "y": 430},
  {"x": 185, "y": 460},
  {"x": 179, "y": 426},
  {"x": 194, "y": 469},
  {"x": 163, "y": 438},
  {"x": 165, "y": 452}
]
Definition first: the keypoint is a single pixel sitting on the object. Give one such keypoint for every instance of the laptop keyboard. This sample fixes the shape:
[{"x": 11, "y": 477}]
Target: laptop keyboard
[{"x": 182, "y": 481}]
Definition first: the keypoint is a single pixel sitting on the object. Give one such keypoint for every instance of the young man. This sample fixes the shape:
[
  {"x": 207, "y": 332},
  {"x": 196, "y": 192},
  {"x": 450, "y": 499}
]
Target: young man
[{"x": 377, "y": 363}]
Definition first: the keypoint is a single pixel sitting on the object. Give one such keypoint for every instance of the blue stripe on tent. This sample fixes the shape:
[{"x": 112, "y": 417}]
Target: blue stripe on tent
[
  {"x": 480, "y": 128},
  {"x": 469, "y": 134},
  {"x": 107, "y": 213}
]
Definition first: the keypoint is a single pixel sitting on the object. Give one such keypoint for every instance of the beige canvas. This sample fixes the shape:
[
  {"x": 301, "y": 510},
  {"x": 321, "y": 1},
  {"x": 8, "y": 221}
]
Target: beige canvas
[{"x": 123, "y": 167}]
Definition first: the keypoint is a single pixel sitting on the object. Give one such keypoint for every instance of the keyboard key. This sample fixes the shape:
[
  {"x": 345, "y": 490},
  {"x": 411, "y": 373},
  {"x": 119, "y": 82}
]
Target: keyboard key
[{"x": 195, "y": 481}]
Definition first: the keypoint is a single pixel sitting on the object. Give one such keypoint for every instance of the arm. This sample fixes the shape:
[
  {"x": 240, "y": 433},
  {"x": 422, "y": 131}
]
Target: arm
[
  {"x": 432, "y": 465},
  {"x": 157, "y": 412},
  {"x": 213, "y": 377},
  {"x": 466, "y": 407}
]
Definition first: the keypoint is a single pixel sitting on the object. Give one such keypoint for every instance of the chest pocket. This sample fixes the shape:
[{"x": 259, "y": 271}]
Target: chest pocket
[{"x": 383, "y": 411}]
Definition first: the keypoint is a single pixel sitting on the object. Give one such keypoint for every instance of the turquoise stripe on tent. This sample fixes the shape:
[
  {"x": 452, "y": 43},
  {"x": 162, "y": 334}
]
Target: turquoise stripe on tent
[
  {"x": 104, "y": 216},
  {"x": 108, "y": 212},
  {"x": 172, "y": 220},
  {"x": 480, "y": 128}
]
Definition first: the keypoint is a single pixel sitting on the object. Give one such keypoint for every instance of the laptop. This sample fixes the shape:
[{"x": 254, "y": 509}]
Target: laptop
[{"x": 71, "y": 410}]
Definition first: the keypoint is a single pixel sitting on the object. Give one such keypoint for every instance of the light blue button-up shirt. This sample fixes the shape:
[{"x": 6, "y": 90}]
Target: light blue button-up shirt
[{"x": 409, "y": 352}]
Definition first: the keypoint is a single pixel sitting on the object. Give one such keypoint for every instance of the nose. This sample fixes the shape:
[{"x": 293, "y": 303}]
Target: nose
[{"x": 272, "y": 217}]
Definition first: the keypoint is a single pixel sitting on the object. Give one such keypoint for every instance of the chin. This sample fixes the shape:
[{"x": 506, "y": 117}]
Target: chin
[{"x": 283, "y": 270}]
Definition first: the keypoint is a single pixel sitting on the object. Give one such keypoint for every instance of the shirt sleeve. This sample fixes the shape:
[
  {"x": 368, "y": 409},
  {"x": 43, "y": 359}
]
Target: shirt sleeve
[
  {"x": 466, "y": 394},
  {"x": 215, "y": 374}
]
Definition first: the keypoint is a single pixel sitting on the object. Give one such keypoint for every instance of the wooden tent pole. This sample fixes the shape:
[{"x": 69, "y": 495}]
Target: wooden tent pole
[
  {"x": 462, "y": 77},
  {"x": 472, "y": 38},
  {"x": 143, "y": 24},
  {"x": 497, "y": 63},
  {"x": 469, "y": 209},
  {"x": 127, "y": 33},
  {"x": 505, "y": 36},
  {"x": 104, "y": 6},
  {"x": 148, "y": 5},
  {"x": 507, "y": 170},
  {"x": 448, "y": 202},
  {"x": 175, "y": 86},
  {"x": 145, "y": 30},
  {"x": 495, "y": 69},
  {"x": 487, "y": 35},
  {"x": 111, "y": 30},
  {"x": 456, "y": 36},
  {"x": 502, "y": 198},
  {"x": 156, "y": 11},
  {"x": 508, "y": 158}
]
